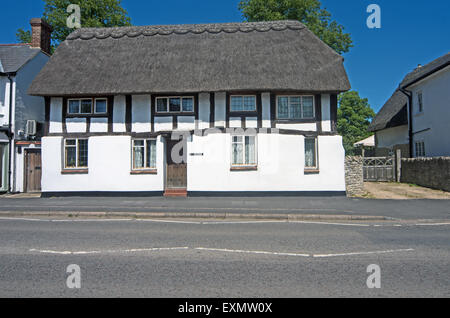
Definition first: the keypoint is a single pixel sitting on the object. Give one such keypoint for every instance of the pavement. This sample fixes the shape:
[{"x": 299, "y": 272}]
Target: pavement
[
  {"x": 284, "y": 208},
  {"x": 182, "y": 258}
]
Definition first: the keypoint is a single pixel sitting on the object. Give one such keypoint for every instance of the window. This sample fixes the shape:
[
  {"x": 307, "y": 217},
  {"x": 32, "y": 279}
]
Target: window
[
  {"x": 144, "y": 154},
  {"x": 420, "y": 149},
  {"x": 75, "y": 153},
  {"x": 295, "y": 107},
  {"x": 100, "y": 105},
  {"x": 311, "y": 153},
  {"x": 174, "y": 104},
  {"x": 420, "y": 102},
  {"x": 243, "y": 151},
  {"x": 243, "y": 103},
  {"x": 84, "y": 106}
]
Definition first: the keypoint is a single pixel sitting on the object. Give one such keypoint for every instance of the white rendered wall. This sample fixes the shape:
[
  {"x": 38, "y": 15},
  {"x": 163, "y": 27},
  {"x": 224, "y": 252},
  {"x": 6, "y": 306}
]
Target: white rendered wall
[
  {"x": 141, "y": 113},
  {"x": 390, "y": 137},
  {"x": 204, "y": 106},
  {"x": 220, "y": 107},
  {"x": 326, "y": 114},
  {"x": 55, "y": 125},
  {"x": 303, "y": 127},
  {"x": 109, "y": 167},
  {"x": 98, "y": 125},
  {"x": 76, "y": 125},
  {"x": 280, "y": 165},
  {"x": 119, "y": 111},
  {"x": 163, "y": 123},
  {"x": 435, "y": 118},
  {"x": 186, "y": 123},
  {"x": 265, "y": 100}
]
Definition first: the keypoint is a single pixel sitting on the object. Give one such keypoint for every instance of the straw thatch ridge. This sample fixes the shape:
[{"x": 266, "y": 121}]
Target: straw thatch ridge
[
  {"x": 392, "y": 114},
  {"x": 279, "y": 55}
]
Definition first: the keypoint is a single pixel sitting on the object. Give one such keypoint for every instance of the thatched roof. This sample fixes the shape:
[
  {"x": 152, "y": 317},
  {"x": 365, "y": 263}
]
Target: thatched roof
[
  {"x": 279, "y": 55},
  {"x": 392, "y": 114},
  {"x": 426, "y": 70}
]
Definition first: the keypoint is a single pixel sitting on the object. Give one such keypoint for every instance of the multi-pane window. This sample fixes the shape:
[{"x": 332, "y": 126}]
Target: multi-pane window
[
  {"x": 174, "y": 104},
  {"x": 420, "y": 149},
  {"x": 243, "y": 151},
  {"x": 295, "y": 107},
  {"x": 144, "y": 154},
  {"x": 75, "y": 153},
  {"x": 420, "y": 102},
  {"x": 310, "y": 153},
  {"x": 87, "y": 106},
  {"x": 242, "y": 103}
]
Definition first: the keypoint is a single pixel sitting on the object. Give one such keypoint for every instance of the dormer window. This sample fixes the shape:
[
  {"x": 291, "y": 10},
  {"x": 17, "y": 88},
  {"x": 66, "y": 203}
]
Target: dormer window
[
  {"x": 174, "y": 104},
  {"x": 246, "y": 103}
]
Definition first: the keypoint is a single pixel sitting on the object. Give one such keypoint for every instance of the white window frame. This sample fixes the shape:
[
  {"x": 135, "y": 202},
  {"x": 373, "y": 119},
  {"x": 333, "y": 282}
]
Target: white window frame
[
  {"x": 243, "y": 111},
  {"x": 419, "y": 149},
  {"x": 77, "y": 156},
  {"x": 301, "y": 107},
  {"x": 145, "y": 140},
  {"x": 95, "y": 106},
  {"x": 168, "y": 105},
  {"x": 316, "y": 153},
  {"x": 234, "y": 165}
]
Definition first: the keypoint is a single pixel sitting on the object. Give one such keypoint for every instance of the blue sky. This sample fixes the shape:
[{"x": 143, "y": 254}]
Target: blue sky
[{"x": 413, "y": 32}]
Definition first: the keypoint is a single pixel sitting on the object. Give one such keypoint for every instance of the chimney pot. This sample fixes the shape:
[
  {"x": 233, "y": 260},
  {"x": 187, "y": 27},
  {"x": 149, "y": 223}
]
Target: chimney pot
[{"x": 40, "y": 34}]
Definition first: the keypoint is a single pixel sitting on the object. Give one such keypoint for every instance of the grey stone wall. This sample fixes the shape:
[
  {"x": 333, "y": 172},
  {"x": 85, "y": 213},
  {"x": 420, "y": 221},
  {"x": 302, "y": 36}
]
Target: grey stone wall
[
  {"x": 427, "y": 172},
  {"x": 354, "y": 181}
]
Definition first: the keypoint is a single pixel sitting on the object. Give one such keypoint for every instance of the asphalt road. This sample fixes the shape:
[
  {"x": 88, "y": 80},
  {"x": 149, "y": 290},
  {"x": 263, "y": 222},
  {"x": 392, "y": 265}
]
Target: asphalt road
[
  {"x": 399, "y": 209},
  {"x": 143, "y": 258}
]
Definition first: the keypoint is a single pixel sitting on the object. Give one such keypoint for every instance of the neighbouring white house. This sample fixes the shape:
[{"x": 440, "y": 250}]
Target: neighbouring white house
[
  {"x": 416, "y": 118},
  {"x": 206, "y": 109},
  {"x": 22, "y": 116}
]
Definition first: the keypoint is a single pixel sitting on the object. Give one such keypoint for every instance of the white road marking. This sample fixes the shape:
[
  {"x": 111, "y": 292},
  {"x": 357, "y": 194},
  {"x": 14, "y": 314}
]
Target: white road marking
[
  {"x": 432, "y": 224},
  {"x": 363, "y": 253},
  {"x": 23, "y": 219},
  {"x": 91, "y": 220},
  {"x": 134, "y": 250},
  {"x": 251, "y": 252},
  {"x": 168, "y": 221},
  {"x": 329, "y": 223}
]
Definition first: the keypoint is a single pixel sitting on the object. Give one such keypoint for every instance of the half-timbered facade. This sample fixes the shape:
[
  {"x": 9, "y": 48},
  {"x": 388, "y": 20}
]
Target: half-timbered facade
[{"x": 218, "y": 109}]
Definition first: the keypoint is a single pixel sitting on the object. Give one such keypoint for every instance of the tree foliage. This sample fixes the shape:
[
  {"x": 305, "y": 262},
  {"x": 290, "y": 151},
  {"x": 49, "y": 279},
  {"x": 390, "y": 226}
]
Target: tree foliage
[
  {"x": 309, "y": 12},
  {"x": 354, "y": 117},
  {"x": 94, "y": 13}
]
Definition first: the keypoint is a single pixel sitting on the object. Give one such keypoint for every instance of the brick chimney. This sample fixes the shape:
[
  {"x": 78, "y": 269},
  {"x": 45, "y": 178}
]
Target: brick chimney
[{"x": 40, "y": 34}]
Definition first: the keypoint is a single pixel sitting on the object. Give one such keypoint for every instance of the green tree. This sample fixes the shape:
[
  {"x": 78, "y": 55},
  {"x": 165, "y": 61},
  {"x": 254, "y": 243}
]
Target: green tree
[
  {"x": 354, "y": 117},
  {"x": 94, "y": 13},
  {"x": 309, "y": 12}
]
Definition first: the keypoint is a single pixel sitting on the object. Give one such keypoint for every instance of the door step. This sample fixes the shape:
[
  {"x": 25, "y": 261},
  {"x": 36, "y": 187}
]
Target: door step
[{"x": 175, "y": 193}]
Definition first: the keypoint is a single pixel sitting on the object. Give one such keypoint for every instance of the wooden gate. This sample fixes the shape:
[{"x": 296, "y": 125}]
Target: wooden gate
[
  {"x": 33, "y": 170},
  {"x": 379, "y": 169},
  {"x": 176, "y": 174}
]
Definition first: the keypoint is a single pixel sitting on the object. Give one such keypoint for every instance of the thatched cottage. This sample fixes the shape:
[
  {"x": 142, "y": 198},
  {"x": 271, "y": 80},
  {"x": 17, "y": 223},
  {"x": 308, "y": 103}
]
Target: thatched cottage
[{"x": 235, "y": 108}]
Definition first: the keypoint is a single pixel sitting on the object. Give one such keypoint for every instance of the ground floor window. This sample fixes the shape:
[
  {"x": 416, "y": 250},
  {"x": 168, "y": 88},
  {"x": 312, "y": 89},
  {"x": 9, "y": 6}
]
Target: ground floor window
[
  {"x": 243, "y": 151},
  {"x": 311, "y": 153},
  {"x": 144, "y": 154},
  {"x": 75, "y": 153},
  {"x": 420, "y": 149}
]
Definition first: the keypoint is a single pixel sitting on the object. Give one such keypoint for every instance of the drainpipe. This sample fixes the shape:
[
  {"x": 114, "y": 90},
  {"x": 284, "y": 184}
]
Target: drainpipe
[
  {"x": 10, "y": 132},
  {"x": 410, "y": 126}
]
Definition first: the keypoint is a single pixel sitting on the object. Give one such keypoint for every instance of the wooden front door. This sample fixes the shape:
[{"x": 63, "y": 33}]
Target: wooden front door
[
  {"x": 33, "y": 170},
  {"x": 176, "y": 173}
]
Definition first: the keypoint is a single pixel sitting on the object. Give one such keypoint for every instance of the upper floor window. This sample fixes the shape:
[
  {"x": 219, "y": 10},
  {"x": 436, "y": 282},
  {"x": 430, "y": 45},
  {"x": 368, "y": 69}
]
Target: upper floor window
[
  {"x": 87, "y": 106},
  {"x": 75, "y": 153},
  {"x": 242, "y": 103},
  {"x": 174, "y": 104},
  {"x": 295, "y": 107},
  {"x": 420, "y": 102}
]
